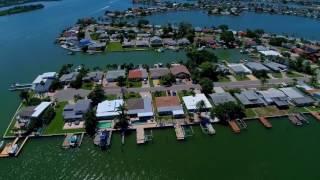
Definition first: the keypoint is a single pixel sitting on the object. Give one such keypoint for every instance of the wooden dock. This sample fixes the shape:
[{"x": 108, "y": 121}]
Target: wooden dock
[
  {"x": 21, "y": 145},
  {"x": 265, "y": 122},
  {"x": 316, "y": 115},
  {"x": 179, "y": 132},
  {"x": 235, "y": 128},
  {"x": 294, "y": 120},
  {"x": 4, "y": 153},
  {"x": 140, "y": 135}
]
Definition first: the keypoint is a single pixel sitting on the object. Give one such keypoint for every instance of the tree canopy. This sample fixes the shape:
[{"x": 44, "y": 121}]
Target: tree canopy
[{"x": 228, "y": 111}]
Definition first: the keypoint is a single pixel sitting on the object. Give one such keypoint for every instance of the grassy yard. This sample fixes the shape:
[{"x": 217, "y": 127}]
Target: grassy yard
[
  {"x": 313, "y": 108},
  {"x": 241, "y": 77},
  {"x": 132, "y": 95},
  {"x": 294, "y": 109},
  {"x": 134, "y": 84},
  {"x": 277, "y": 75},
  {"x": 56, "y": 125},
  {"x": 13, "y": 122},
  {"x": 250, "y": 113},
  {"x": 291, "y": 74},
  {"x": 159, "y": 94},
  {"x": 269, "y": 111},
  {"x": 223, "y": 79},
  {"x": 87, "y": 85},
  {"x": 111, "y": 97},
  {"x": 114, "y": 46}
]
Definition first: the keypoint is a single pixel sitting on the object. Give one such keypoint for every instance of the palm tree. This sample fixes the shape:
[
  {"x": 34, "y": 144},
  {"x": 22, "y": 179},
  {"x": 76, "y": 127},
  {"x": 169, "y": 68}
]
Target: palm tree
[{"x": 123, "y": 121}]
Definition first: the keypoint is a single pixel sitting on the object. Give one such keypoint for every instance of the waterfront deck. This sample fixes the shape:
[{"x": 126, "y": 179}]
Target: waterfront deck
[
  {"x": 294, "y": 120},
  {"x": 140, "y": 135},
  {"x": 265, "y": 122},
  {"x": 179, "y": 132},
  {"x": 316, "y": 115},
  {"x": 208, "y": 129},
  {"x": 233, "y": 125},
  {"x": 69, "y": 142}
]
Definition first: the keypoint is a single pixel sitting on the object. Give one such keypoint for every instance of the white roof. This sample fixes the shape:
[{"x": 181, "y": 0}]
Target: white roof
[
  {"x": 270, "y": 53},
  {"x": 177, "y": 112},
  {"x": 44, "y": 77},
  {"x": 145, "y": 114},
  {"x": 108, "y": 108},
  {"x": 191, "y": 101},
  {"x": 40, "y": 108},
  {"x": 218, "y": 89}
]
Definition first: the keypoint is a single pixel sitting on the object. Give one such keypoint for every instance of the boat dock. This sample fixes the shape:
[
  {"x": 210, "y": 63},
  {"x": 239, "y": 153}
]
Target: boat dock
[
  {"x": 179, "y": 132},
  {"x": 316, "y": 115},
  {"x": 235, "y": 128},
  {"x": 302, "y": 118},
  {"x": 21, "y": 145},
  {"x": 72, "y": 140},
  {"x": 241, "y": 124},
  {"x": 103, "y": 138},
  {"x": 293, "y": 118},
  {"x": 265, "y": 122},
  {"x": 140, "y": 135},
  {"x": 13, "y": 148},
  {"x": 19, "y": 87},
  {"x": 207, "y": 128}
]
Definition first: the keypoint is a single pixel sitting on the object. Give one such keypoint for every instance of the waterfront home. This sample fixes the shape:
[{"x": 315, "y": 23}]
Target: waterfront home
[
  {"x": 270, "y": 53},
  {"x": 169, "y": 105},
  {"x": 43, "y": 82},
  {"x": 180, "y": 71},
  {"x": 27, "y": 114},
  {"x": 142, "y": 43},
  {"x": 276, "y": 97},
  {"x": 75, "y": 112},
  {"x": 297, "y": 97},
  {"x": 221, "y": 98},
  {"x": 68, "y": 78},
  {"x": 157, "y": 73},
  {"x": 249, "y": 98},
  {"x": 156, "y": 41},
  {"x": 276, "y": 67},
  {"x": 140, "y": 109},
  {"x": 255, "y": 67},
  {"x": 169, "y": 42},
  {"x": 96, "y": 46},
  {"x": 239, "y": 69},
  {"x": 108, "y": 109},
  {"x": 128, "y": 44},
  {"x": 95, "y": 76},
  {"x": 113, "y": 75},
  {"x": 191, "y": 102},
  {"x": 138, "y": 74},
  {"x": 183, "y": 42},
  {"x": 222, "y": 69}
]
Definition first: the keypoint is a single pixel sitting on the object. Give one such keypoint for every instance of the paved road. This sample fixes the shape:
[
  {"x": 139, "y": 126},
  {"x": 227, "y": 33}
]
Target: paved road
[
  {"x": 257, "y": 83},
  {"x": 154, "y": 89}
]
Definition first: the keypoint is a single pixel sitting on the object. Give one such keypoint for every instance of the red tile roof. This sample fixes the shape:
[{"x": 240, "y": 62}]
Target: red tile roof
[
  {"x": 135, "y": 74},
  {"x": 166, "y": 101},
  {"x": 177, "y": 69}
]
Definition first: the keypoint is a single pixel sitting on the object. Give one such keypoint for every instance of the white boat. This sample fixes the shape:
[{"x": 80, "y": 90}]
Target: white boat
[{"x": 13, "y": 149}]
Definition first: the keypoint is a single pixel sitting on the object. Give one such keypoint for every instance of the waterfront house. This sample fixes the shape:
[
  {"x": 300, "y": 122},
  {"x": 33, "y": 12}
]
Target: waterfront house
[
  {"x": 156, "y": 41},
  {"x": 138, "y": 74},
  {"x": 128, "y": 44},
  {"x": 142, "y": 43},
  {"x": 43, "y": 82},
  {"x": 276, "y": 67},
  {"x": 108, "y": 109},
  {"x": 68, "y": 78},
  {"x": 113, "y": 75},
  {"x": 169, "y": 105},
  {"x": 297, "y": 97},
  {"x": 95, "y": 76},
  {"x": 27, "y": 114},
  {"x": 140, "y": 109},
  {"x": 249, "y": 98},
  {"x": 276, "y": 97},
  {"x": 222, "y": 69},
  {"x": 169, "y": 42},
  {"x": 239, "y": 69},
  {"x": 270, "y": 53},
  {"x": 191, "y": 102},
  {"x": 157, "y": 73},
  {"x": 183, "y": 42},
  {"x": 255, "y": 67},
  {"x": 75, "y": 112},
  {"x": 221, "y": 98},
  {"x": 180, "y": 71}
]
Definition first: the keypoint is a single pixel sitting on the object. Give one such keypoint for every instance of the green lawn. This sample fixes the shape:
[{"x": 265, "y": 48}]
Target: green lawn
[
  {"x": 159, "y": 93},
  {"x": 132, "y": 95},
  {"x": 87, "y": 85},
  {"x": 241, "y": 77},
  {"x": 294, "y": 109},
  {"x": 250, "y": 113},
  {"x": 134, "y": 84},
  {"x": 114, "y": 46},
  {"x": 111, "y": 97},
  {"x": 313, "y": 108},
  {"x": 13, "y": 122},
  {"x": 223, "y": 79},
  {"x": 56, "y": 125},
  {"x": 277, "y": 75},
  {"x": 293, "y": 74}
]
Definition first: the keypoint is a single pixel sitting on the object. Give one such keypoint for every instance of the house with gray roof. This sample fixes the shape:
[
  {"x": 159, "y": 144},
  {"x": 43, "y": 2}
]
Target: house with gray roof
[
  {"x": 183, "y": 42},
  {"x": 250, "y": 98},
  {"x": 297, "y": 97},
  {"x": 95, "y": 76},
  {"x": 156, "y": 41},
  {"x": 43, "y": 82},
  {"x": 75, "y": 112},
  {"x": 276, "y": 67},
  {"x": 142, "y": 43},
  {"x": 221, "y": 98},
  {"x": 140, "y": 108},
  {"x": 239, "y": 69},
  {"x": 113, "y": 75},
  {"x": 157, "y": 73},
  {"x": 255, "y": 66},
  {"x": 67, "y": 78},
  {"x": 276, "y": 97},
  {"x": 128, "y": 44}
]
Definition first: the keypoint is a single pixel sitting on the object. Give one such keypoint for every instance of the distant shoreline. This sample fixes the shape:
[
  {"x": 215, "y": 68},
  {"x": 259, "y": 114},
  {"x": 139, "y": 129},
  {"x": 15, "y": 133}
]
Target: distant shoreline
[
  {"x": 21, "y": 9},
  {"x": 21, "y": 2}
]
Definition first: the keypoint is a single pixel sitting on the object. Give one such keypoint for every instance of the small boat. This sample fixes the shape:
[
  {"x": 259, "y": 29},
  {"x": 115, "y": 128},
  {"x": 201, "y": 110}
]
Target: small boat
[
  {"x": 70, "y": 53},
  {"x": 73, "y": 141},
  {"x": 1, "y": 145},
  {"x": 160, "y": 50},
  {"x": 13, "y": 150}
]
